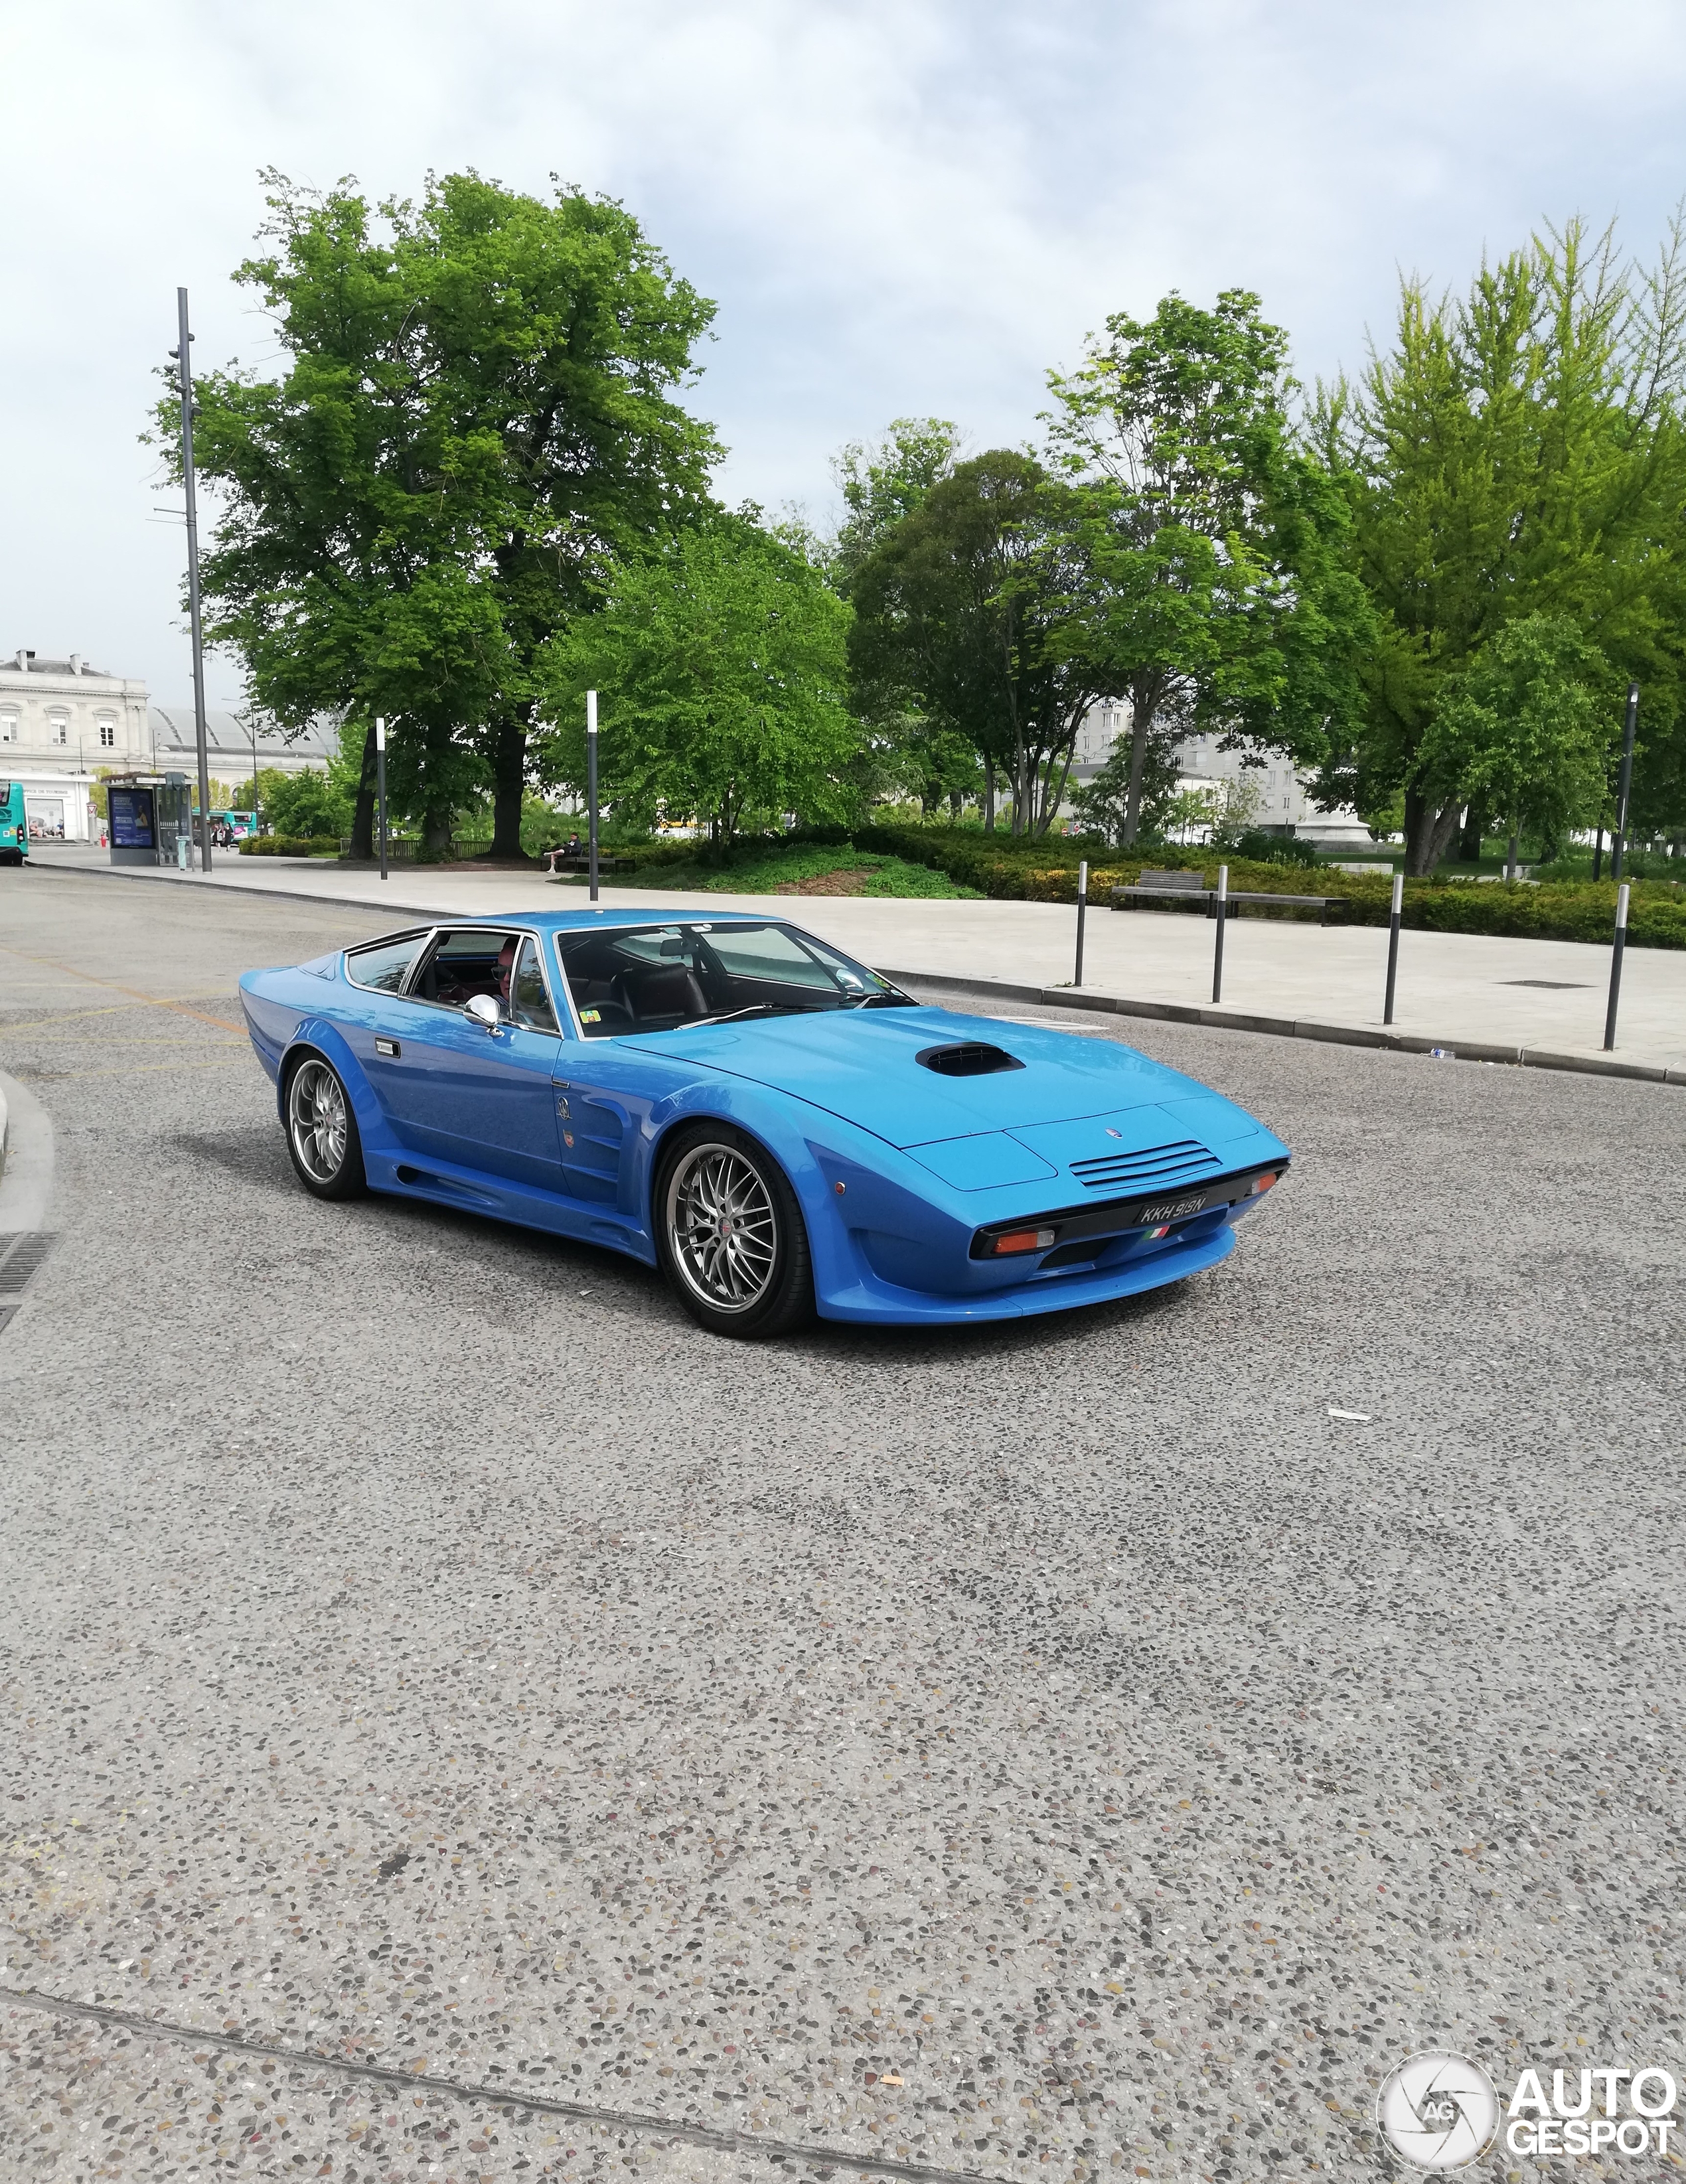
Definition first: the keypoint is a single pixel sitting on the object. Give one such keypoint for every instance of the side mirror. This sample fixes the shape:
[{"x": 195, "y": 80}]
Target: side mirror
[{"x": 485, "y": 1011}]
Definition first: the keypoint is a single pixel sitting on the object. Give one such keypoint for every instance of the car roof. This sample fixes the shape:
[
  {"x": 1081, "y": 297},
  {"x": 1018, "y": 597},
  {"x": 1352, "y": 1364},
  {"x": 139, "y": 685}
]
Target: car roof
[{"x": 566, "y": 921}]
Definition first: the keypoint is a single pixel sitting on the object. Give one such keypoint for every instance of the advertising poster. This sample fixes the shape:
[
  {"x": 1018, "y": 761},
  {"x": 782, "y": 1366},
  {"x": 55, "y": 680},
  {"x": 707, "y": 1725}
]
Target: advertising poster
[{"x": 131, "y": 818}]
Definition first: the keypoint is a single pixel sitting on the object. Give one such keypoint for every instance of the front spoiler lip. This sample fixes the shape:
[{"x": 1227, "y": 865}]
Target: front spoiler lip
[{"x": 1117, "y": 1216}]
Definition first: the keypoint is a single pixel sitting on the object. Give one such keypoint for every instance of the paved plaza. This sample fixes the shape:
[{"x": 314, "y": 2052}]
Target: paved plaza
[
  {"x": 1098, "y": 1746},
  {"x": 1456, "y": 989}
]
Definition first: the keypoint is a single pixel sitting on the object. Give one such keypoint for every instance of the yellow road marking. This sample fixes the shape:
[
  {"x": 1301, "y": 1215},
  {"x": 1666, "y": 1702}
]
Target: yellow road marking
[
  {"x": 111, "y": 986},
  {"x": 51, "y": 1038},
  {"x": 140, "y": 1069}
]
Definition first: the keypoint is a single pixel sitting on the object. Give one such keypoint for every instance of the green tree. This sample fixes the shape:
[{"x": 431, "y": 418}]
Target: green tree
[
  {"x": 475, "y": 413},
  {"x": 959, "y": 621},
  {"x": 1515, "y": 452},
  {"x": 883, "y": 481},
  {"x": 720, "y": 660},
  {"x": 303, "y": 802},
  {"x": 1523, "y": 730},
  {"x": 1214, "y": 592},
  {"x": 1130, "y": 796}
]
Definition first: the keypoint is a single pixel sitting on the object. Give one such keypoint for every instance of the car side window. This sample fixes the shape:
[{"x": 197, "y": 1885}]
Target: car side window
[
  {"x": 466, "y": 961},
  {"x": 529, "y": 1003},
  {"x": 381, "y": 967}
]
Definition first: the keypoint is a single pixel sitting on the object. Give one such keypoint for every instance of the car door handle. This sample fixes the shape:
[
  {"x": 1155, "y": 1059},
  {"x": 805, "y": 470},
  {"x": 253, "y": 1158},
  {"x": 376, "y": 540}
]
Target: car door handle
[{"x": 390, "y": 1047}]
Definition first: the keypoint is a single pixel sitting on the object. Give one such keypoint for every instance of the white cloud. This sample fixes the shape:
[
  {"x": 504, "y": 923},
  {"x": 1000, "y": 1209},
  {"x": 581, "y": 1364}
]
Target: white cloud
[{"x": 905, "y": 208}]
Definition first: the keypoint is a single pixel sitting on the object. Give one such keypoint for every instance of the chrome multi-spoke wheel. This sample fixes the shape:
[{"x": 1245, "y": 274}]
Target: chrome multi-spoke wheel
[
  {"x": 321, "y": 1134},
  {"x": 725, "y": 1231},
  {"x": 731, "y": 1233}
]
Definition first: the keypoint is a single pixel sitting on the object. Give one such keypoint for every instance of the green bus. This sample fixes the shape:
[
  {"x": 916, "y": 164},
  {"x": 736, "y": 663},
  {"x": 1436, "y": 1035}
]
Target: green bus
[{"x": 14, "y": 826}]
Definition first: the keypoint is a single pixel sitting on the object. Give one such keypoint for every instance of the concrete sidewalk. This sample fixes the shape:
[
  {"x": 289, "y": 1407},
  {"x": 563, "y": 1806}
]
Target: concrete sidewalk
[{"x": 1537, "y": 1001}]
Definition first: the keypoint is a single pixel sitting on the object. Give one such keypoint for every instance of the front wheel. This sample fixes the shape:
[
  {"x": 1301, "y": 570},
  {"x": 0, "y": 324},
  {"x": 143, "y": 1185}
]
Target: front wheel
[
  {"x": 730, "y": 1235},
  {"x": 321, "y": 1131}
]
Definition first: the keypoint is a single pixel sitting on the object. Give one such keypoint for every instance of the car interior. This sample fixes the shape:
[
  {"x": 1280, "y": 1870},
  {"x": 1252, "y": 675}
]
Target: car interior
[
  {"x": 657, "y": 978},
  {"x": 461, "y": 965},
  {"x": 502, "y": 965}
]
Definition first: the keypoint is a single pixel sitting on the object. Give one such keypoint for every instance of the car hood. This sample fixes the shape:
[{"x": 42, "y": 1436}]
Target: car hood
[{"x": 862, "y": 1064}]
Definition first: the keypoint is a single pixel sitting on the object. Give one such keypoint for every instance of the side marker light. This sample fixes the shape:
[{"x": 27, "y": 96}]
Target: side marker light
[{"x": 1023, "y": 1239}]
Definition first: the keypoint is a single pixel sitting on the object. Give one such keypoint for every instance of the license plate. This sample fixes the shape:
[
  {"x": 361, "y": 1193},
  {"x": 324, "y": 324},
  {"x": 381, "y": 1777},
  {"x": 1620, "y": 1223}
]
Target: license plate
[{"x": 1173, "y": 1209}]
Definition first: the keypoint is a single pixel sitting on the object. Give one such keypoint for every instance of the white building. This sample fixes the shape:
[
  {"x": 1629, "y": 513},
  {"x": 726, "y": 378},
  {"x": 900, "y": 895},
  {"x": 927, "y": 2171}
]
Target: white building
[
  {"x": 1285, "y": 805},
  {"x": 63, "y": 723}
]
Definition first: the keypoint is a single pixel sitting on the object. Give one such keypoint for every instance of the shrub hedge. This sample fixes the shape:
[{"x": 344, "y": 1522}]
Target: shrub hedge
[
  {"x": 997, "y": 866},
  {"x": 292, "y": 845},
  {"x": 1046, "y": 871}
]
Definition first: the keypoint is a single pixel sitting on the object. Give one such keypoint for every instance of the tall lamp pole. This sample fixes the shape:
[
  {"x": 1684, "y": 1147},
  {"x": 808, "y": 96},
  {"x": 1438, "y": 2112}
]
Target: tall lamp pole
[
  {"x": 591, "y": 786},
  {"x": 381, "y": 784},
  {"x": 184, "y": 374},
  {"x": 1619, "y": 840}
]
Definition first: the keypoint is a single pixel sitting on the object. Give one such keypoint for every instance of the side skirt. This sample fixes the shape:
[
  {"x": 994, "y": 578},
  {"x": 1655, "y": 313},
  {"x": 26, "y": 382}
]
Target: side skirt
[{"x": 442, "y": 1183}]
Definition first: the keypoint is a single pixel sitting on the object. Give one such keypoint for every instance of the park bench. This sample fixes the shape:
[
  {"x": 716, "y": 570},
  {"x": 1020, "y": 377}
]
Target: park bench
[
  {"x": 562, "y": 862},
  {"x": 1161, "y": 888}
]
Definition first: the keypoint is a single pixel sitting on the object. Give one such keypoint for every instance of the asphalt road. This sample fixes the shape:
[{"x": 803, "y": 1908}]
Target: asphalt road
[{"x": 1055, "y": 1751}]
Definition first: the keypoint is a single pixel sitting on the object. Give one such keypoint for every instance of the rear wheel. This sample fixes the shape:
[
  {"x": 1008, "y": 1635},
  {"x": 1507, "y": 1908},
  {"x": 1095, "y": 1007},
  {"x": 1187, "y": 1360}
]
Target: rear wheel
[
  {"x": 321, "y": 1131},
  {"x": 730, "y": 1235}
]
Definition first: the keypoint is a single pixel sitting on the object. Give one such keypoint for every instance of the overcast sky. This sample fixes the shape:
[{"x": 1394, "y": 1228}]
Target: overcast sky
[{"x": 901, "y": 207}]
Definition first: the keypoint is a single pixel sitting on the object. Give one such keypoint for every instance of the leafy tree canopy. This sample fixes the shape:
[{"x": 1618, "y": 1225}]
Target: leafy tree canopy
[
  {"x": 883, "y": 481},
  {"x": 1514, "y": 452},
  {"x": 476, "y": 414},
  {"x": 1211, "y": 588},
  {"x": 1523, "y": 730},
  {"x": 721, "y": 661},
  {"x": 960, "y": 611}
]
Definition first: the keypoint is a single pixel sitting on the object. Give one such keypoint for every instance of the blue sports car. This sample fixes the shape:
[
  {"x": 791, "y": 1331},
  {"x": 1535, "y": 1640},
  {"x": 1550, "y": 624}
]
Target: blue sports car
[{"x": 777, "y": 1128}]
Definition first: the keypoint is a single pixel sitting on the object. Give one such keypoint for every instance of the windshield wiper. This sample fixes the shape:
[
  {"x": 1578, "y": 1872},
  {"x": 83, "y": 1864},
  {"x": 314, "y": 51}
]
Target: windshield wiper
[
  {"x": 890, "y": 1000},
  {"x": 732, "y": 1016}
]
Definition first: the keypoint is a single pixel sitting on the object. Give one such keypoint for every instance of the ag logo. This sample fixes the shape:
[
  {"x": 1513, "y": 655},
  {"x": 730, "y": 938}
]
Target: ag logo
[{"x": 1438, "y": 2111}]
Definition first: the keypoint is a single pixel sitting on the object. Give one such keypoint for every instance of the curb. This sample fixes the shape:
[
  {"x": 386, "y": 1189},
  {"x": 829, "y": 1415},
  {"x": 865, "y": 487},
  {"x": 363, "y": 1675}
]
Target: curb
[
  {"x": 1070, "y": 997},
  {"x": 241, "y": 887},
  {"x": 26, "y": 1184},
  {"x": 1221, "y": 1019}
]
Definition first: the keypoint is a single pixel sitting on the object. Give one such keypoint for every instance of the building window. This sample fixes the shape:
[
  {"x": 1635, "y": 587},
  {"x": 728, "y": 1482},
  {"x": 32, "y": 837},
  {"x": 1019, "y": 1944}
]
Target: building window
[
  {"x": 59, "y": 731},
  {"x": 108, "y": 735},
  {"x": 9, "y": 728}
]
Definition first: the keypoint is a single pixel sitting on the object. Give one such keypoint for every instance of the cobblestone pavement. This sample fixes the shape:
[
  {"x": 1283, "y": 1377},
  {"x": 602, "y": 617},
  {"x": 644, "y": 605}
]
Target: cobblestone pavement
[{"x": 1057, "y": 1750}]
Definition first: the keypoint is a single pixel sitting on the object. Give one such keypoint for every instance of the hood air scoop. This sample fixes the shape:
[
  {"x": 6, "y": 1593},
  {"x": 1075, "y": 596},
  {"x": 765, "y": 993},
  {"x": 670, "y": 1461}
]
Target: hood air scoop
[{"x": 972, "y": 1058}]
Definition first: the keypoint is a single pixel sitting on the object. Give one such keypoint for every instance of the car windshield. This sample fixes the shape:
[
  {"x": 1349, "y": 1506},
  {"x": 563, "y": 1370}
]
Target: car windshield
[{"x": 662, "y": 977}]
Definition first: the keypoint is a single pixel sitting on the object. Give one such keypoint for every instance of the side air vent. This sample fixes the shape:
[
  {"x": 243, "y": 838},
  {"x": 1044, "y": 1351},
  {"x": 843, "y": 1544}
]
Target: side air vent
[{"x": 972, "y": 1058}]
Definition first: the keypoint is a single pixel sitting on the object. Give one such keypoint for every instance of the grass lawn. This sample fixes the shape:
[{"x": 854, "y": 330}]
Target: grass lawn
[{"x": 807, "y": 871}]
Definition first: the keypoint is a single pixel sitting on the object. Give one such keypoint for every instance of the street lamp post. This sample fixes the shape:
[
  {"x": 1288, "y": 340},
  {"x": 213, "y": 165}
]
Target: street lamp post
[
  {"x": 381, "y": 784},
  {"x": 184, "y": 372},
  {"x": 591, "y": 786},
  {"x": 1618, "y": 846}
]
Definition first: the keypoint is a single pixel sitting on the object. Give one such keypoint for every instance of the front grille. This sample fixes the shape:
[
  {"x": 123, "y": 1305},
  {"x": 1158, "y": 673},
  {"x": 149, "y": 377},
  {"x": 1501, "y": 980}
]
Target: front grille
[{"x": 1160, "y": 1167}]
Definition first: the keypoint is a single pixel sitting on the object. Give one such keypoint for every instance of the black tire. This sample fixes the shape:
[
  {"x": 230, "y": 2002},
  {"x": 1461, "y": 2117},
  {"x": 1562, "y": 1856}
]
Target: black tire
[
  {"x": 322, "y": 1130},
  {"x": 730, "y": 1235}
]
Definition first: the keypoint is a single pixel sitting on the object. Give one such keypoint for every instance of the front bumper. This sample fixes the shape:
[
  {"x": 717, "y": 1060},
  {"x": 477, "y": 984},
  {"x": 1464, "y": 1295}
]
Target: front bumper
[
  {"x": 877, "y": 1303},
  {"x": 1077, "y": 1230}
]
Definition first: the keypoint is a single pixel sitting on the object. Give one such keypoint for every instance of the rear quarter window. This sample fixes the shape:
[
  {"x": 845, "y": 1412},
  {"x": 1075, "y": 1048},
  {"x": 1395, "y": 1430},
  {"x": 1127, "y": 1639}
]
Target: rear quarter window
[{"x": 381, "y": 968}]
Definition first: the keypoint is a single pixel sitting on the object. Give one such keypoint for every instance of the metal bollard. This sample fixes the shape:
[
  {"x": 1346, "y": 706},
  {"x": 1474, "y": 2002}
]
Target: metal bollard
[
  {"x": 1615, "y": 954},
  {"x": 1221, "y": 907},
  {"x": 1393, "y": 945},
  {"x": 1082, "y": 905}
]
